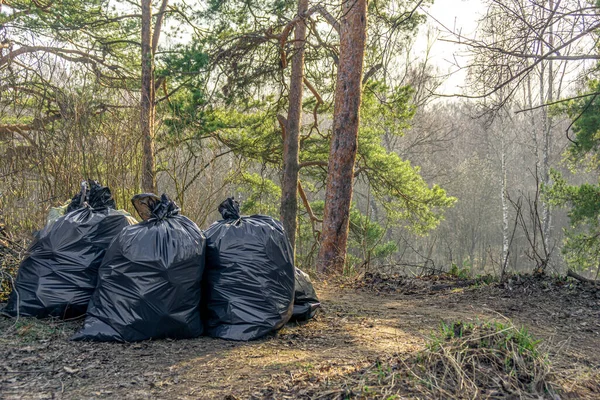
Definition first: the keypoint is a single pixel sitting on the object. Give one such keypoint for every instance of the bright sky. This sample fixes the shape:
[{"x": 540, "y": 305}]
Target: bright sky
[{"x": 456, "y": 15}]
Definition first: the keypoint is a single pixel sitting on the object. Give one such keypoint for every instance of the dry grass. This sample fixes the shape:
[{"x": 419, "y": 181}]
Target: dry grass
[
  {"x": 363, "y": 345},
  {"x": 9, "y": 265},
  {"x": 484, "y": 360},
  {"x": 462, "y": 361}
]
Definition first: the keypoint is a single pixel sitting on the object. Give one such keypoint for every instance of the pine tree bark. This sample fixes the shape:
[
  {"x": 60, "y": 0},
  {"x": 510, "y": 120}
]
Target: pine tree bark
[
  {"x": 289, "y": 187},
  {"x": 147, "y": 101},
  {"x": 344, "y": 141}
]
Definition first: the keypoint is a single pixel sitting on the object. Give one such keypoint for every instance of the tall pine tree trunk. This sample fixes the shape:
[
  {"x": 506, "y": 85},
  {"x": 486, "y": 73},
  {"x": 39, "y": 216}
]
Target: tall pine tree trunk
[
  {"x": 147, "y": 101},
  {"x": 289, "y": 189},
  {"x": 342, "y": 154}
]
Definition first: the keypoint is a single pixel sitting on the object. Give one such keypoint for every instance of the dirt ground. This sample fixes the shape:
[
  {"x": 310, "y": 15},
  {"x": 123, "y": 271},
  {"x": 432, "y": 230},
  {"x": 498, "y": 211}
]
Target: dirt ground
[{"x": 360, "y": 325}]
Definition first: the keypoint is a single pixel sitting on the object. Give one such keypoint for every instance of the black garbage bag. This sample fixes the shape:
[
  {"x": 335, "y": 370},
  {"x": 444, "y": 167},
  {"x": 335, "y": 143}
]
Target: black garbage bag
[
  {"x": 149, "y": 284},
  {"x": 91, "y": 193},
  {"x": 58, "y": 275},
  {"x": 80, "y": 200},
  {"x": 306, "y": 302},
  {"x": 249, "y": 277}
]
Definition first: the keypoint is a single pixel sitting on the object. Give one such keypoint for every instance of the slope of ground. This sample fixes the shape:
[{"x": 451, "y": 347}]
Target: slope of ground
[{"x": 332, "y": 356}]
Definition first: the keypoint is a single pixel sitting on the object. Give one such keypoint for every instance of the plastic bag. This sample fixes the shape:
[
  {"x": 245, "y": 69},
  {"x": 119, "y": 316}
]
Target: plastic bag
[
  {"x": 82, "y": 198},
  {"x": 149, "y": 284},
  {"x": 249, "y": 277},
  {"x": 306, "y": 302},
  {"x": 55, "y": 213},
  {"x": 58, "y": 275},
  {"x": 91, "y": 193}
]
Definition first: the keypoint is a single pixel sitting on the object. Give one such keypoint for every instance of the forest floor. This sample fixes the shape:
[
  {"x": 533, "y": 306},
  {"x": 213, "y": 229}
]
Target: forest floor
[{"x": 362, "y": 326}]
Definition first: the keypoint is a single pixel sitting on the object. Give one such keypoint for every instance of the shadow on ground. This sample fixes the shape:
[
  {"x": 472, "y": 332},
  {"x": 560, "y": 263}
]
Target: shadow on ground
[{"x": 322, "y": 359}]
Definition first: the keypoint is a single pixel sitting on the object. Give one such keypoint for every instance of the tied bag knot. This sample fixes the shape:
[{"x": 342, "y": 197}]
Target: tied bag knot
[
  {"x": 230, "y": 209},
  {"x": 93, "y": 195}
]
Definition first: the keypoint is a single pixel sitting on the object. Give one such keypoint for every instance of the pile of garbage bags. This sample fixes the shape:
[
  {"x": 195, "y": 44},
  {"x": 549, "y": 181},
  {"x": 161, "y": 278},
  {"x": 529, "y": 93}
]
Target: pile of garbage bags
[{"x": 162, "y": 277}]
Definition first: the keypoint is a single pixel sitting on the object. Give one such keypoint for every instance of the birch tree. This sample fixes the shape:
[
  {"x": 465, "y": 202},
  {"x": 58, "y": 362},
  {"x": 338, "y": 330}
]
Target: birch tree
[{"x": 520, "y": 58}]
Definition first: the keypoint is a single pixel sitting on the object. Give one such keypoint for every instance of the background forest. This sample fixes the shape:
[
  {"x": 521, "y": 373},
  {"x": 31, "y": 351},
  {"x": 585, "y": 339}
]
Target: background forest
[{"x": 195, "y": 99}]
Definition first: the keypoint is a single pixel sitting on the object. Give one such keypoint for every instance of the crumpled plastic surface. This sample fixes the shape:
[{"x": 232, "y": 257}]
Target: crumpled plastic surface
[
  {"x": 306, "y": 302},
  {"x": 149, "y": 284},
  {"x": 58, "y": 275},
  {"x": 91, "y": 193},
  {"x": 249, "y": 277},
  {"x": 99, "y": 195}
]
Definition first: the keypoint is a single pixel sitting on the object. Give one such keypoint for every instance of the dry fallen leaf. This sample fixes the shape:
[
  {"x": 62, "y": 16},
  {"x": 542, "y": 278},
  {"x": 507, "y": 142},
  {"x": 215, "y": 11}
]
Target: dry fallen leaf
[{"x": 71, "y": 370}]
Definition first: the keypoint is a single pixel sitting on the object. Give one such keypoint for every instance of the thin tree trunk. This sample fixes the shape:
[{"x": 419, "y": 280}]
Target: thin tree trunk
[
  {"x": 546, "y": 216},
  {"x": 289, "y": 189},
  {"x": 158, "y": 25},
  {"x": 344, "y": 141},
  {"x": 504, "y": 193},
  {"x": 147, "y": 101},
  {"x": 533, "y": 123}
]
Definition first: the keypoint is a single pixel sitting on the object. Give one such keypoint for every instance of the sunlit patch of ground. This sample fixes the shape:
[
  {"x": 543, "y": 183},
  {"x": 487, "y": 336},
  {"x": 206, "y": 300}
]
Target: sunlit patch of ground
[{"x": 337, "y": 355}]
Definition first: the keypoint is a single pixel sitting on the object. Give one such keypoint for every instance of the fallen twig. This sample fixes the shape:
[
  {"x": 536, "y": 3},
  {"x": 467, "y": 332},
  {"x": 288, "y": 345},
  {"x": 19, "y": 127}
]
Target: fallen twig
[{"x": 581, "y": 278}]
